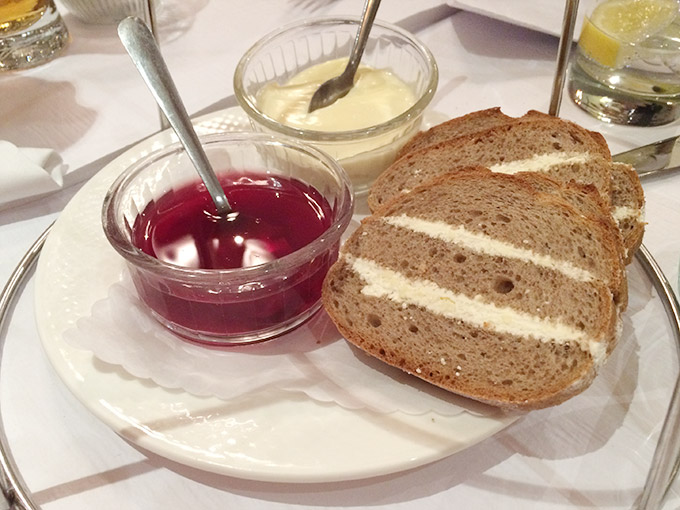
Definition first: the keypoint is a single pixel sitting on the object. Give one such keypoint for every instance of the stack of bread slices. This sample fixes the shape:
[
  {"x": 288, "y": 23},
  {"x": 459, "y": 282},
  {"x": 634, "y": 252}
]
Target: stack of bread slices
[{"x": 494, "y": 261}]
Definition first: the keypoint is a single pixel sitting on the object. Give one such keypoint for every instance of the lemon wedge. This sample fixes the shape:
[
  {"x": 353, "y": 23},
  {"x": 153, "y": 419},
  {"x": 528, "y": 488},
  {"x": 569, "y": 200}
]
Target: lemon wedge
[{"x": 615, "y": 26}]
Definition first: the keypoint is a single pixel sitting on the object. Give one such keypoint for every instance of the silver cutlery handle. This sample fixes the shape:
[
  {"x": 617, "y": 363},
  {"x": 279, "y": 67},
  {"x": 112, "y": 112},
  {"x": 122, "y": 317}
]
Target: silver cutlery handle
[
  {"x": 367, "y": 18},
  {"x": 140, "y": 44}
]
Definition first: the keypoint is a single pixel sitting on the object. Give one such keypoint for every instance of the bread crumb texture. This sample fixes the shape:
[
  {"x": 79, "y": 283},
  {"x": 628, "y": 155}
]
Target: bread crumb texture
[{"x": 506, "y": 288}]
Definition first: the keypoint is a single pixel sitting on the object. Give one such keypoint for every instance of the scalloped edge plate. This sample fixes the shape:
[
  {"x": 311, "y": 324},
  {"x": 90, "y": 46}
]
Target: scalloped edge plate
[{"x": 267, "y": 436}]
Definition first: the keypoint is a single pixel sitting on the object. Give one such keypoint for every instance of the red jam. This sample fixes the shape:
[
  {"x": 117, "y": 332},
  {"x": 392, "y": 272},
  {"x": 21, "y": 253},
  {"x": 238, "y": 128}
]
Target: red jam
[{"x": 273, "y": 217}]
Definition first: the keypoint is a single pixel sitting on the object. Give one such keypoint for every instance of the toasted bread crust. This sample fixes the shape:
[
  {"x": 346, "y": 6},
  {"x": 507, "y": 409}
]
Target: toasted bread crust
[{"x": 473, "y": 122}]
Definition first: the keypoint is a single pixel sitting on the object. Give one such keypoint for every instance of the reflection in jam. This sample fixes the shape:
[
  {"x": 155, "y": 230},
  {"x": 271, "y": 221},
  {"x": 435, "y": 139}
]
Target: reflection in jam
[{"x": 272, "y": 217}]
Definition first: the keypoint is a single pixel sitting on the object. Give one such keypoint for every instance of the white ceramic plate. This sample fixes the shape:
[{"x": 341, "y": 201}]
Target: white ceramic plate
[{"x": 270, "y": 436}]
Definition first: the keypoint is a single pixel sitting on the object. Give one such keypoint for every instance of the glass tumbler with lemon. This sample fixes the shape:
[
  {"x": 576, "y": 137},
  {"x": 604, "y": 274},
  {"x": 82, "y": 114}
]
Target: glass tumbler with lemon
[{"x": 626, "y": 67}]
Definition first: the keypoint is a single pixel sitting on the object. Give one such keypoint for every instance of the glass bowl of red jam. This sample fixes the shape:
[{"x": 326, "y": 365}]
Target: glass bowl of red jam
[
  {"x": 397, "y": 79},
  {"x": 251, "y": 275}
]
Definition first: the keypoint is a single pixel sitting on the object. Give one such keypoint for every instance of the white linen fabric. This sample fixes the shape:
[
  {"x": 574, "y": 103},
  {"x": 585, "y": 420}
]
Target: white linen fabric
[{"x": 28, "y": 172}]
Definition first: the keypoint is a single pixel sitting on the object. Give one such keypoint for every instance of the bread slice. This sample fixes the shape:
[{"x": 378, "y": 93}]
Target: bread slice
[
  {"x": 558, "y": 148},
  {"x": 628, "y": 207},
  {"x": 482, "y": 284},
  {"x": 588, "y": 202},
  {"x": 473, "y": 122},
  {"x": 623, "y": 196},
  {"x": 595, "y": 135},
  {"x": 476, "y": 122}
]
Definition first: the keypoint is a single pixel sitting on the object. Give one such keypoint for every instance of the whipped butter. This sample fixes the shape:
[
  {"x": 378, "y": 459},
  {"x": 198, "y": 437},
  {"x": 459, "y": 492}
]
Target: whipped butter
[
  {"x": 622, "y": 213},
  {"x": 382, "y": 282},
  {"x": 540, "y": 162},
  {"x": 536, "y": 163},
  {"x": 482, "y": 243},
  {"x": 377, "y": 96}
]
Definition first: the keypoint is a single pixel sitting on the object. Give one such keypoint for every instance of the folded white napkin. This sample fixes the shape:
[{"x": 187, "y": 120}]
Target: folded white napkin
[
  {"x": 541, "y": 15},
  {"x": 27, "y": 173}
]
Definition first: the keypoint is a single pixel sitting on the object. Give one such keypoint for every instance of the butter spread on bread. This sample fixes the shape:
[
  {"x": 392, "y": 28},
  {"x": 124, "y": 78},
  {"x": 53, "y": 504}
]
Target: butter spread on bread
[
  {"x": 534, "y": 142},
  {"x": 489, "y": 285}
]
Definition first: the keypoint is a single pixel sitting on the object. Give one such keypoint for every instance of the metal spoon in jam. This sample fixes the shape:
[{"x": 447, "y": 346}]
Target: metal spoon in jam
[{"x": 142, "y": 48}]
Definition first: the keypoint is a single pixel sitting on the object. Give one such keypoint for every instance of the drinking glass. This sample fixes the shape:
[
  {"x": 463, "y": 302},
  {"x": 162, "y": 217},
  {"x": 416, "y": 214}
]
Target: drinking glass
[
  {"x": 626, "y": 67},
  {"x": 31, "y": 33}
]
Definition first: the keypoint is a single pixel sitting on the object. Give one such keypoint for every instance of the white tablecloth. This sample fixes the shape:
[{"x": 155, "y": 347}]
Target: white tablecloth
[{"x": 90, "y": 103}]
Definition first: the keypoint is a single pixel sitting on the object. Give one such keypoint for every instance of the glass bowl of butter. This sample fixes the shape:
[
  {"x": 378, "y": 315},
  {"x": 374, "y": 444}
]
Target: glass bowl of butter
[{"x": 276, "y": 78}]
